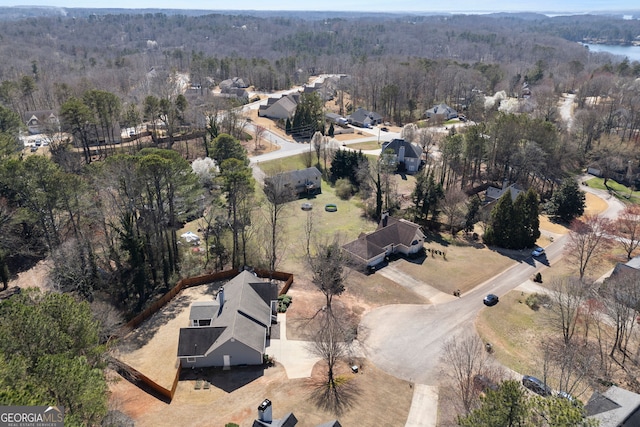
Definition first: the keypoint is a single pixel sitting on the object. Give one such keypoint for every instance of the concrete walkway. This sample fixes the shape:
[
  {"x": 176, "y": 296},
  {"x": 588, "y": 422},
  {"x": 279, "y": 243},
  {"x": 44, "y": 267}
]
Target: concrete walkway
[
  {"x": 421, "y": 288},
  {"x": 298, "y": 362},
  {"x": 294, "y": 355},
  {"x": 424, "y": 407}
]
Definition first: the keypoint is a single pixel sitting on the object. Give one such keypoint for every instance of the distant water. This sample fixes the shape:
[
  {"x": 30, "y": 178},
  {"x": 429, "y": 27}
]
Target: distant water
[{"x": 631, "y": 52}]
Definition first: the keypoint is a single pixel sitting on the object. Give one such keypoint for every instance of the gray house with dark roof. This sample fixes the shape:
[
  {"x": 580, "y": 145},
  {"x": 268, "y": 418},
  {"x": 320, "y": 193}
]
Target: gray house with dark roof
[
  {"x": 303, "y": 182},
  {"x": 265, "y": 418},
  {"x": 279, "y": 108},
  {"x": 393, "y": 236},
  {"x": 364, "y": 119},
  {"x": 405, "y": 154},
  {"x": 233, "y": 328},
  {"x": 616, "y": 407},
  {"x": 441, "y": 112}
]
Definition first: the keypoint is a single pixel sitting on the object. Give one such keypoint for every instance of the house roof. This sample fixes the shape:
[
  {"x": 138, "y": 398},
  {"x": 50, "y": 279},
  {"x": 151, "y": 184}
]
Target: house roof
[
  {"x": 363, "y": 116},
  {"x": 204, "y": 309},
  {"x": 287, "y": 103},
  {"x": 363, "y": 248},
  {"x": 299, "y": 176},
  {"x": 442, "y": 109},
  {"x": 494, "y": 193},
  {"x": 334, "y": 423},
  {"x": 615, "y": 407},
  {"x": 40, "y": 115},
  {"x": 244, "y": 317},
  {"x": 197, "y": 341},
  {"x": 391, "y": 231},
  {"x": 396, "y": 231},
  {"x": 634, "y": 263},
  {"x": 288, "y": 420},
  {"x": 410, "y": 150}
]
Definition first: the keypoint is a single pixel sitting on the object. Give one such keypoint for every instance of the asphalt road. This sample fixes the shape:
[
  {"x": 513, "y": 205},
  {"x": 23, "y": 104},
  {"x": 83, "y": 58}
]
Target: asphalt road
[{"x": 407, "y": 340}]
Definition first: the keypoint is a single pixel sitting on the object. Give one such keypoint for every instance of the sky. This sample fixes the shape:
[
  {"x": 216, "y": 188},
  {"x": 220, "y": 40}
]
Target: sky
[{"x": 349, "y": 5}]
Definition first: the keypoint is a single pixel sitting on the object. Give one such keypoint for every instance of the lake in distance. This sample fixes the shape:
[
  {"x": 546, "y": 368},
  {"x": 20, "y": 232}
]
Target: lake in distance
[{"x": 632, "y": 52}]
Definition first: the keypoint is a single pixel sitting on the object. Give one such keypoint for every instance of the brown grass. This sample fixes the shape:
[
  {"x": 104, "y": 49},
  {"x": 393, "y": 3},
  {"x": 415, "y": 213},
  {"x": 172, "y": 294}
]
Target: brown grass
[
  {"x": 453, "y": 272},
  {"x": 227, "y": 402},
  {"x": 515, "y": 332}
]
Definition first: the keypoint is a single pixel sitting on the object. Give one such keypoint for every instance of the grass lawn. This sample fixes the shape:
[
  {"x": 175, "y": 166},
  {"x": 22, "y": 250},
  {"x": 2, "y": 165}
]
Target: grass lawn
[
  {"x": 285, "y": 164},
  {"x": 453, "y": 272},
  {"x": 619, "y": 191},
  {"x": 367, "y": 145},
  {"x": 515, "y": 331}
]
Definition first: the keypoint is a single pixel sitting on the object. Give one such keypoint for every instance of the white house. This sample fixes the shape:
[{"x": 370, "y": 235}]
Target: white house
[{"x": 408, "y": 155}]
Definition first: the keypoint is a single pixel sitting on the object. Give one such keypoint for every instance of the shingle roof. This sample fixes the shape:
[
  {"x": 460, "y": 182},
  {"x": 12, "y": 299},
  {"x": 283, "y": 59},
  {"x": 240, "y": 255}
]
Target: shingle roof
[
  {"x": 613, "y": 407},
  {"x": 244, "y": 316},
  {"x": 410, "y": 150},
  {"x": 392, "y": 232},
  {"x": 288, "y": 420},
  {"x": 204, "y": 309},
  {"x": 363, "y": 248},
  {"x": 197, "y": 341}
]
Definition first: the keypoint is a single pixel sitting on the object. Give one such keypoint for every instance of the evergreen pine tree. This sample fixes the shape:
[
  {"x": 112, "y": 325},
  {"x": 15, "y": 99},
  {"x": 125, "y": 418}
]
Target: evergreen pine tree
[{"x": 500, "y": 222}]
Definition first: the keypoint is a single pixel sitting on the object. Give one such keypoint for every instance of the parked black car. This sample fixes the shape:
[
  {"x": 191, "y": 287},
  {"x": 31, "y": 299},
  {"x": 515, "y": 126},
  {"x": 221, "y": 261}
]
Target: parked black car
[
  {"x": 536, "y": 385},
  {"x": 490, "y": 300}
]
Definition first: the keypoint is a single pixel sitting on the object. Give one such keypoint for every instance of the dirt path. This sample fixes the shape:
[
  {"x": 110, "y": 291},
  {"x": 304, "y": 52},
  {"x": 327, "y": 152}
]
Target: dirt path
[{"x": 35, "y": 277}]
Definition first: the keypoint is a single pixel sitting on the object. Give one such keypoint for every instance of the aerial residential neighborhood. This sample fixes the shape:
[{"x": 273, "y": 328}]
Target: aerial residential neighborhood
[{"x": 331, "y": 218}]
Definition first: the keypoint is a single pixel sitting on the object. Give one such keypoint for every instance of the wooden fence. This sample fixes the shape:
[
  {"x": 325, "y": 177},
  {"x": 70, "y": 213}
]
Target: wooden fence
[
  {"x": 287, "y": 278},
  {"x": 139, "y": 378}
]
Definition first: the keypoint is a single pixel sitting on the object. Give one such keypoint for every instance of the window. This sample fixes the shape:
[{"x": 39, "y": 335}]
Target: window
[{"x": 191, "y": 360}]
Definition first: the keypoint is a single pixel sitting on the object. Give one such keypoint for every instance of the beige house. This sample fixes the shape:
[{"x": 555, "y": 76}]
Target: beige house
[{"x": 393, "y": 236}]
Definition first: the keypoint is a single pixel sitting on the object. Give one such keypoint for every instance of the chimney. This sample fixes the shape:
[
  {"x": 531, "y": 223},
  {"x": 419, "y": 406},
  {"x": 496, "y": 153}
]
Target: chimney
[
  {"x": 264, "y": 411},
  {"x": 385, "y": 216},
  {"x": 221, "y": 296}
]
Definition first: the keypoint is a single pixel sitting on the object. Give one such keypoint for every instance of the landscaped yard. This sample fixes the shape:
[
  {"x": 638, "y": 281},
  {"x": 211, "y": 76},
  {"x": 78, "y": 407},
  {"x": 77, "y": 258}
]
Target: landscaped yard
[{"x": 620, "y": 191}]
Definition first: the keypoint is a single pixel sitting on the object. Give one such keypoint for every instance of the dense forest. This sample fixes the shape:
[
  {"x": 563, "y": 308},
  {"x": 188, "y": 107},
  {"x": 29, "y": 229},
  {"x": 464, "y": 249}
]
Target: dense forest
[{"x": 108, "y": 218}]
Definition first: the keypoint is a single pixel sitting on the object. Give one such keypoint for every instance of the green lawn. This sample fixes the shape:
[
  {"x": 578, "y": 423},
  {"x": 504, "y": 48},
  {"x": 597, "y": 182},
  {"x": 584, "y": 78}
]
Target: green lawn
[
  {"x": 286, "y": 164},
  {"x": 619, "y": 191}
]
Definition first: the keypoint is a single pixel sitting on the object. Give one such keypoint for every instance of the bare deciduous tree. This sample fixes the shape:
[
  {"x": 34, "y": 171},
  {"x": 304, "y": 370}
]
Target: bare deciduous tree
[
  {"x": 628, "y": 229},
  {"x": 622, "y": 295},
  {"x": 567, "y": 296},
  {"x": 587, "y": 239},
  {"x": 466, "y": 358},
  {"x": 259, "y": 132},
  {"x": 331, "y": 342},
  {"x": 453, "y": 208},
  {"x": 278, "y": 194}
]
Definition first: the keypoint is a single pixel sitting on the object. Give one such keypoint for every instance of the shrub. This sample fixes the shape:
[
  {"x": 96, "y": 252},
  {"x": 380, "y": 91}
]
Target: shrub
[
  {"x": 344, "y": 189},
  {"x": 284, "y": 301},
  {"x": 538, "y": 278},
  {"x": 534, "y": 301}
]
